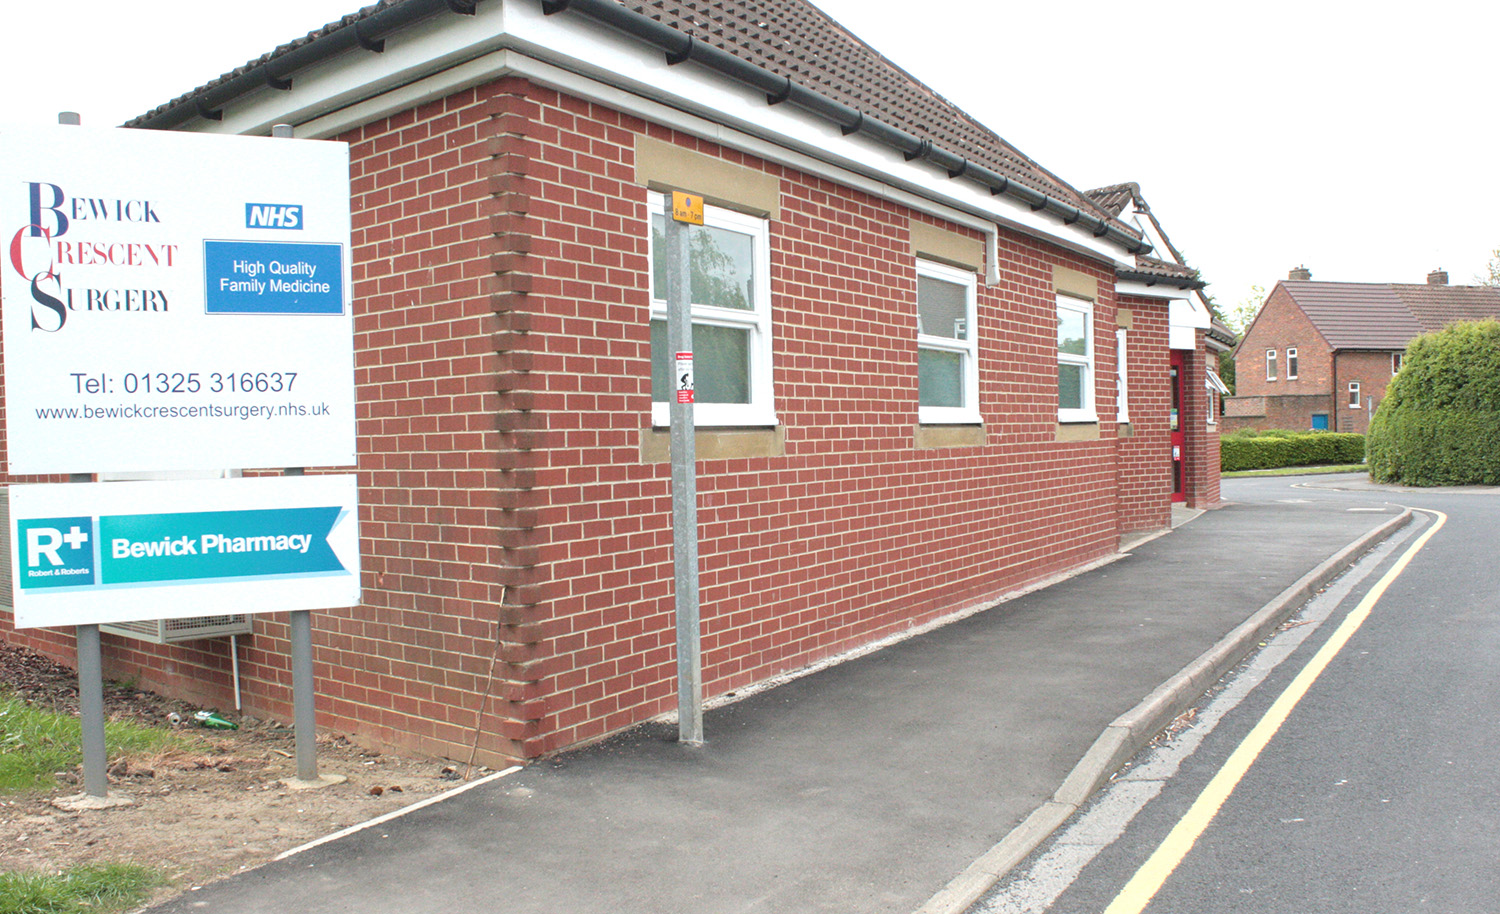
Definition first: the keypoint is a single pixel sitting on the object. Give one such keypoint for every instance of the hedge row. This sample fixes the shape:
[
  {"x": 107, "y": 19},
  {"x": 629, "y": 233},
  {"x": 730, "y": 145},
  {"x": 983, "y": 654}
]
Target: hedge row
[
  {"x": 1440, "y": 421},
  {"x": 1269, "y": 450}
]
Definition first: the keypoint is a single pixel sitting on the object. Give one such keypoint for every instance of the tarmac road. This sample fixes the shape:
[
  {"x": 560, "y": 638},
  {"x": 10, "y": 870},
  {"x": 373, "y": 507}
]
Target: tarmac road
[{"x": 1379, "y": 792}]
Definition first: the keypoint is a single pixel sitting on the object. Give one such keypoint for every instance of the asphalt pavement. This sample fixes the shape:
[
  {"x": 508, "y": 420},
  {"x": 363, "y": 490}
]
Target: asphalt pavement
[{"x": 906, "y": 779}]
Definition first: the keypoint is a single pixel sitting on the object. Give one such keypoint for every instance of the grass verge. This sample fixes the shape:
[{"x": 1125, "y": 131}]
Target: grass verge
[
  {"x": 35, "y": 744},
  {"x": 1299, "y": 471},
  {"x": 100, "y": 889}
]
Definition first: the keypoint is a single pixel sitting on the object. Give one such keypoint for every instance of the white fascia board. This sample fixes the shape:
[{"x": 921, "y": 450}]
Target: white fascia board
[
  {"x": 1157, "y": 290},
  {"x": 568, "y": 52}
]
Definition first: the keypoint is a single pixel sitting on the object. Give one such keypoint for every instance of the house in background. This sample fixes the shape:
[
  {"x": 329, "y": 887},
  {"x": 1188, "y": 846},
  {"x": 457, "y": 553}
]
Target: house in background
[
  {"x": 1320, "y": 354},
  {"x": 929, "y": 371}
]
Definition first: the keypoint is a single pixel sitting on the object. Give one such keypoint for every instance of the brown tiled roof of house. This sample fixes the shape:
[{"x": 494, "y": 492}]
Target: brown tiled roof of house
[
  {"x": 790, "y": 38},
  {"x": 1364, "y": 315},
  {"x": 793, "y": 38},
  {"x": 1437, "y": 306}
]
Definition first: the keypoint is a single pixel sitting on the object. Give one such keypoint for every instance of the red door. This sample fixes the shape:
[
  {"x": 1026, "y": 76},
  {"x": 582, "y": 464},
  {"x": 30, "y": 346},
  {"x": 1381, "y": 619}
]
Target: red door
[{"x": 1179, "y": 437}]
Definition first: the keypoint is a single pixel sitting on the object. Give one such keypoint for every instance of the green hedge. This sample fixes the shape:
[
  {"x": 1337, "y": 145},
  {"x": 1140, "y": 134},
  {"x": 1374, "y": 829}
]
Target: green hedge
[
  {"x": 1278, "y": 448},
  {"x": 1439, "y": 424}
]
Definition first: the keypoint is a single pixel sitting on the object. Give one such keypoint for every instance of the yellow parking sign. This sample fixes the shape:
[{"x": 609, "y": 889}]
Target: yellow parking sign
[{"x": 687, "y": 208}]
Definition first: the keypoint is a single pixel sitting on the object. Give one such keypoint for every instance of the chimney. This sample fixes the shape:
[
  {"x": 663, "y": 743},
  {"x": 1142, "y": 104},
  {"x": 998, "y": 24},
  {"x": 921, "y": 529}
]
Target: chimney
[
  {"x": 1437, "y": 278},
  {"x": 1302, "y": 273}
]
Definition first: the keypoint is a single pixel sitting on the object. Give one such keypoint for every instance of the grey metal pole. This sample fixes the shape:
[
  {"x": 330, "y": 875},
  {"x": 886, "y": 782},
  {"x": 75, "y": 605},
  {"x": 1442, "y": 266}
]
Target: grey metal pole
[
  {"x": 90, "y": 658},
  {"x": 304, "y": 695},
  {"x": 91, "y": 711},
  {"x": 305, "y": 721},
  {"x": 684, "y": 493}
]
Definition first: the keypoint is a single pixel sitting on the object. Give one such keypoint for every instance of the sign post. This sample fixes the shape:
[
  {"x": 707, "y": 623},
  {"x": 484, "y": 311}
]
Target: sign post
[
  {"x": 163, "y": 318},
  {"x": 687, "y": 210}
]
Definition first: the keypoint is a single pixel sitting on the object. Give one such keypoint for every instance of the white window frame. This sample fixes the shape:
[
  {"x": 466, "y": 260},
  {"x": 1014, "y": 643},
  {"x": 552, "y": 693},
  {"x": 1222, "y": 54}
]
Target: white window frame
[
  {"x": 1216, "y": 389},
  {"x": 1270, "y": 364},
  {"x": 1086, "y": 412},
  {"x": 1396, "y": 359},
  {"x": 968, "y": 414},
  {"x": 761, "y": 410},
  {"x": 1122, "y": 372},
  {"x": 1291, "y": 363},
  {"x": 1354, "y": 395}
]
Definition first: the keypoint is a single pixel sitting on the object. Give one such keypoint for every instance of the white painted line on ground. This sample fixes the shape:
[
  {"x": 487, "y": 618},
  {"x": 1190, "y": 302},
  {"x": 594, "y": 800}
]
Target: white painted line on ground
[{"x": 397, "y": 813}]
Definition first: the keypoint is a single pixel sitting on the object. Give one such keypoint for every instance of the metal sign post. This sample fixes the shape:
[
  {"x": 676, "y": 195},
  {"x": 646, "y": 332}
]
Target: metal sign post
[
  {"x": 299, "y": 630},
  {"x": 90, "y": 663},
  {"x": 686, "y": 210}
]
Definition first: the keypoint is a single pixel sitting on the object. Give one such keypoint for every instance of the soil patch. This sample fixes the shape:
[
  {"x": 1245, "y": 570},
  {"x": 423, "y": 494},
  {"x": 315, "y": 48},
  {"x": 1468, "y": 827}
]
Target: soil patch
[{"x": 204, "y": 813}]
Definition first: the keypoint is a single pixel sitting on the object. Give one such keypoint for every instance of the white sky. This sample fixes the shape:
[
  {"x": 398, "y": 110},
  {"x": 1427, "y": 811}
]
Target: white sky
[{"x": 1355, "y": 139}]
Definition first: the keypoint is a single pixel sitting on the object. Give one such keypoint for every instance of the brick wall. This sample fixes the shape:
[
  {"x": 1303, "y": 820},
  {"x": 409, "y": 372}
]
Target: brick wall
[
  {"x": 1373, "y": 372},
  {"x": 1279, "y": 326},
  {"x": 1289, "y": 412},
  {"x": 1146, "y": 454},
  {"x": 1201, "y": 473},
  {"x": 515, "y": 536},
  {"x": 853, "y": 533}
]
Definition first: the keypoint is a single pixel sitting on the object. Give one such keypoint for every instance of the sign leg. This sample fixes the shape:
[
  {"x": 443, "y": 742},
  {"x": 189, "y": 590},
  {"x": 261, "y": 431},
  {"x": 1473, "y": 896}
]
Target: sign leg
[
  {"x": 305, "y": 723},
  {"x": 91, "y": 712}
]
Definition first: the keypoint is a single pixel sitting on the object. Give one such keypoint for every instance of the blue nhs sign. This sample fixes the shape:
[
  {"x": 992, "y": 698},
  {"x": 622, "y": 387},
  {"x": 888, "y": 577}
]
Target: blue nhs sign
[{"x": 273, "y": 215}]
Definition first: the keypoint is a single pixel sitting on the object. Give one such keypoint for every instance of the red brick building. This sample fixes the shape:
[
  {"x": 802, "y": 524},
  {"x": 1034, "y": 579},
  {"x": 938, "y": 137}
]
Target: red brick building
[
  {"x": 1320, "y": 354},
  {"x": 912, "y": 398}
]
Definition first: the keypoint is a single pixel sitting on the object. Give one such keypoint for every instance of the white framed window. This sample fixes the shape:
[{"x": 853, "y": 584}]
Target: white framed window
[
  {"x": 1270, "y": 364},
  {"x": 729, "y": 263},
  {"x": 1396, "y": 359},
  {"x": 1217, "y": 389},
  {"x": 1354, "y": 395},
  {"x": 947, "y": 345},
  {"x": 1291, "y": 363},
  {"x": 1075, "y": 360},
  {"x": 1122, "y": 373}
]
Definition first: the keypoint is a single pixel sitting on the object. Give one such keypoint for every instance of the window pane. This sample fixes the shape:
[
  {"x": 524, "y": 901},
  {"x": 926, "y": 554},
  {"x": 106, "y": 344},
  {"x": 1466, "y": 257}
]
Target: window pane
[
  {"x": 721, "y": 364},
  {"x": 940, "y": 378},
  {"x": 942, "y": 309},
  {"x": 1072, "y": 332},
  {"x": 720, "y": 264},
  {"x": 1070, "y": 386}
]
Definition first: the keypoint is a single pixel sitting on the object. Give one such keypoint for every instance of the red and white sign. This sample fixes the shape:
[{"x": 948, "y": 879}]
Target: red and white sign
[{"x": 683, "y": 376}]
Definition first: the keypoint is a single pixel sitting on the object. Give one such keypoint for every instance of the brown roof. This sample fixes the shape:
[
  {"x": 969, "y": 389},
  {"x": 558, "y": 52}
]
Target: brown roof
[
  {"x": 1362, "y": 315},
  {"x": 1437, "y": 306},
  {"x": 793, "y": 38},
  {"x": 1112, "y": 199},
  {"x": 1177, "y": 273},
  {"x": 790, "y": 38}
]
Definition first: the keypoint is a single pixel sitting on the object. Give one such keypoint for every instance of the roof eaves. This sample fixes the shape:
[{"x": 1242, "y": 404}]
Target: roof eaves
[
  {"x": 365, "y": 29},
  {"x": 1002, "y": 169}
]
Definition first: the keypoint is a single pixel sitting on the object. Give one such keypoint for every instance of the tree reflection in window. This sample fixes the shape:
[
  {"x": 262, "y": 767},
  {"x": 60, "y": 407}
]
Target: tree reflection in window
[{"x": 721, "y": 275}]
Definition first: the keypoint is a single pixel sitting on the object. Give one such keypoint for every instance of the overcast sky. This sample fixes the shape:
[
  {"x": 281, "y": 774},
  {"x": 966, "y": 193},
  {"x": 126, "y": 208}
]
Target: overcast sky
[{"x": 1354, "y": 139}]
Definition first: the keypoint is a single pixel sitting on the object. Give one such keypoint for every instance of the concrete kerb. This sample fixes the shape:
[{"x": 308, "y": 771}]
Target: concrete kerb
[{"x": 1129, "y": 733}]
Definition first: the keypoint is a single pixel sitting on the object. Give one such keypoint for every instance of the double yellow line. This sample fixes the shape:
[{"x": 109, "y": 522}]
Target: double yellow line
[{"x": 1149, "y": 879}]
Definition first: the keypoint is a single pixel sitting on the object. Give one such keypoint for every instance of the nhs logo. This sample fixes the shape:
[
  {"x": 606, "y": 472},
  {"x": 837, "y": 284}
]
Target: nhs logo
[
  {"x": 273, "y": 215},
  {"x": 56, "y": 552}
]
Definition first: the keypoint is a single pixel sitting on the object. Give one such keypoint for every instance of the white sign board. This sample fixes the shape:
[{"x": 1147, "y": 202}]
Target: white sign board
[
  {"x": 90, "y": 553},
  {"x": 174, "y": 301}
]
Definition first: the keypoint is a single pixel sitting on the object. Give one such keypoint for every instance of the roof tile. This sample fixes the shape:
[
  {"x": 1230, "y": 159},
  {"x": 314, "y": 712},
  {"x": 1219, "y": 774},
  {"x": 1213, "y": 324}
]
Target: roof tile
[{"x": 1361, "y": 315}]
